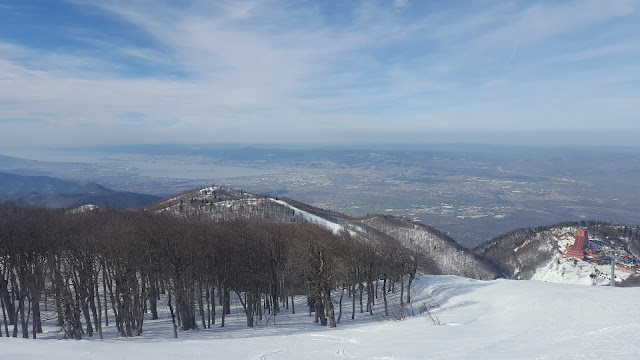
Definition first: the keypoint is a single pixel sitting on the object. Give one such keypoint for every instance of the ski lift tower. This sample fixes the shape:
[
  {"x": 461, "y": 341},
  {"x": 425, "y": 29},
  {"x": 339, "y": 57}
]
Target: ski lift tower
[
  {"x": 611, "y": 258},
  {"x": 613, "y": 273}
]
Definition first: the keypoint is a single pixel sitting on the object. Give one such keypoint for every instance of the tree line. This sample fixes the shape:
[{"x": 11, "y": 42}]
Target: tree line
[{"x": 115, "y": 268}]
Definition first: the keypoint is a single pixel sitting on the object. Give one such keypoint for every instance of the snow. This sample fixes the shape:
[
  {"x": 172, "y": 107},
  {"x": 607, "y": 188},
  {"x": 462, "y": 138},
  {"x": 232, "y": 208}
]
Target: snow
[
  {"x": 84, "y": 208},
  {"x": 499, "y": 319},
  {"x": 561, "y": 270},
  {"x": 575, "y": 271},
  {"x": 336, "y": 228}
]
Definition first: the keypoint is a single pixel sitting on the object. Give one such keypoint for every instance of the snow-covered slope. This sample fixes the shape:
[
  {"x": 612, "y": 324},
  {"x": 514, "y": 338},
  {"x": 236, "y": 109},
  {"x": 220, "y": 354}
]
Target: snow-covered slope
[
  {"x": 573, "y": 271},
  {"x": 225, "y": 204},
  {"x": 538, "y": 254},
  {"x": 443, "y": 254},
  {"x": 499, "y": 319},
  {"x": 561, "y": 270},
  {"x": 315, "y": 219}
]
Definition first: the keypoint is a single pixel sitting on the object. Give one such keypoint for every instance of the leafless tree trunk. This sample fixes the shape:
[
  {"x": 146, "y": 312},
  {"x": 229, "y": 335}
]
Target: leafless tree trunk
[
  {"x": 412, "y": 276},
  {"x": 99, "y": 312},
  {"x": 208, "y": 307},
  {"x": 293, "y": 306},
  {"x": 401, "y": 289},
  {"x": 104, "y": 292},
  {"x": 340, "y": 305},
  {"x": 4, "y": 317},
  {"x": 384, "y": 296},
  {"x": 173, "y": 316},
  {"x": 353, "y": 301}
]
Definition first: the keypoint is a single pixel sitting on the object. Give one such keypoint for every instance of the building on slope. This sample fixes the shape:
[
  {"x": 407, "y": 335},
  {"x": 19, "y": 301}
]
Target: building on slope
[{"x": 579, "y": 245}]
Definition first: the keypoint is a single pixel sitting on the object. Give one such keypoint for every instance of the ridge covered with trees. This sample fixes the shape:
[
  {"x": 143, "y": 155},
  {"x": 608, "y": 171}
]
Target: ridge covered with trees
[
  {"x": 440, "y": 254},
  {"x": 109, "y": 267}
]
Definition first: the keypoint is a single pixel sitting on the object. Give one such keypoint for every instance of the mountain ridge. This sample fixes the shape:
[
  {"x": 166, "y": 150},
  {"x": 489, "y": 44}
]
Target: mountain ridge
[
  {"x": 528, "y": 253},
  {"x": 440, "y": 253},
  {"x": 58, "y": 193}
]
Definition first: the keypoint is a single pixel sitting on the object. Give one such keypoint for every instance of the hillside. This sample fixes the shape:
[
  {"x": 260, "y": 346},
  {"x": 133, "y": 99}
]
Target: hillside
[
  {"x": 57, "y": 193},
  {"x": 17, "y": 184},
  {"x": 440, "y": 253},
  {"x": 11, "y": 162},
  {"x": 499, "y": 319},
  {"x": 538, "y": 253},
  {"x": 116, "y": 199}
]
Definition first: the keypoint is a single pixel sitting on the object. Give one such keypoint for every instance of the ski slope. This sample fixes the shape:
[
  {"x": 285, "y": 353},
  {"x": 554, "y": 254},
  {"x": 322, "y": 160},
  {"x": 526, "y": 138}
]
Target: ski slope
[
  {"x": 499, "y": 319},
  {"x": 314, "y": 219}
]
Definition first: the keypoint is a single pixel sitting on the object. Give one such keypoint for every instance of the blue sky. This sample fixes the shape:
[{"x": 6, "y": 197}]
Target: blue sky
[{"x": 319, "y": 72}]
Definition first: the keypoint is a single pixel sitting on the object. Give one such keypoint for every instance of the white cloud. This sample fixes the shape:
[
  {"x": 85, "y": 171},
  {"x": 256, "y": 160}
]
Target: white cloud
[
  {"x": 270, "y": 67},
  {"x": 400, "y": 3},
  {"x": 627, "y": 48},
  {"x": 541, "y": 21}
]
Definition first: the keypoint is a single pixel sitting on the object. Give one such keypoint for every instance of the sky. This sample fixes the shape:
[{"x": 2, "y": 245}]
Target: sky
[{"x": 82, "y": 72}]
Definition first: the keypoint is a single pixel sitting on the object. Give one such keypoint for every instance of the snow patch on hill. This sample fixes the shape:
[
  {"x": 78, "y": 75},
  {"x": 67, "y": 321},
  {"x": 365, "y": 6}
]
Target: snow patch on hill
[{"x": 85, "y": 208}]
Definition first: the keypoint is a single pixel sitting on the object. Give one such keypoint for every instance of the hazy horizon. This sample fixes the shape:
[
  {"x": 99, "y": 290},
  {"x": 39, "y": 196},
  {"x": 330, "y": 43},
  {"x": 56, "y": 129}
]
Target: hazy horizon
[{"x": 552, "y": 140}]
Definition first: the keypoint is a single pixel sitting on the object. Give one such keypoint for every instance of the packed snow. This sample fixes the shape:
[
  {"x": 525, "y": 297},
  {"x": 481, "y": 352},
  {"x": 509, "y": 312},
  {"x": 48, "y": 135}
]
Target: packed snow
[{"x": 499, "y": 319}]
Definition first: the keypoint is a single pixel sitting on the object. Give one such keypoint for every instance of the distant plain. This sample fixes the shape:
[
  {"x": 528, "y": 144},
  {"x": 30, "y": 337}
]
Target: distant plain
[{"x": 472, "y": 192}]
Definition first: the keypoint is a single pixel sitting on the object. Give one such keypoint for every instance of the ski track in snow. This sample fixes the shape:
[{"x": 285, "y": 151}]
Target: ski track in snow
[{"x": 499, "y": 319}]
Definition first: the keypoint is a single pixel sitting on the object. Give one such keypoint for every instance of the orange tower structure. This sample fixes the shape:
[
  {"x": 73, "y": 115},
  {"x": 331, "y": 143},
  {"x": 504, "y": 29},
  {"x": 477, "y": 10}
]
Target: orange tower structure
[{"x": 577, "y": 249}]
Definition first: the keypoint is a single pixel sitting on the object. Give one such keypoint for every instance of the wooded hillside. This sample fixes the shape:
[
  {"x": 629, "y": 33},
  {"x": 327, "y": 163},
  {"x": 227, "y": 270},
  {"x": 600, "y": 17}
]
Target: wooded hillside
[{"x": 112, "y": 267}]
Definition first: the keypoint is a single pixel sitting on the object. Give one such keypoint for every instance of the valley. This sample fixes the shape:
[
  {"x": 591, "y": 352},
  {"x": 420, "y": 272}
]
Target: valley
[{"x": 262, "y": 254}]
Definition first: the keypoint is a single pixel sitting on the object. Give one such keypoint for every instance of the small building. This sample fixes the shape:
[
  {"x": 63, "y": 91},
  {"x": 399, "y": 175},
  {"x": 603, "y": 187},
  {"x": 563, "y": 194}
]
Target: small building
[
  {"x": 594, "y": 254},
  {"x": 577, "y": 249},
  {"x": 626, "y": 268}
]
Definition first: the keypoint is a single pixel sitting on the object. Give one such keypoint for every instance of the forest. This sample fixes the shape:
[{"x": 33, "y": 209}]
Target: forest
[{"x": 110, "y": 267}]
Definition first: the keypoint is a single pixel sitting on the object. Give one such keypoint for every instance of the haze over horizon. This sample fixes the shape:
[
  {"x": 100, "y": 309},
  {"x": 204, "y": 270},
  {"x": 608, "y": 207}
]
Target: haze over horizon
[{"x": 80, "y": 72}]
